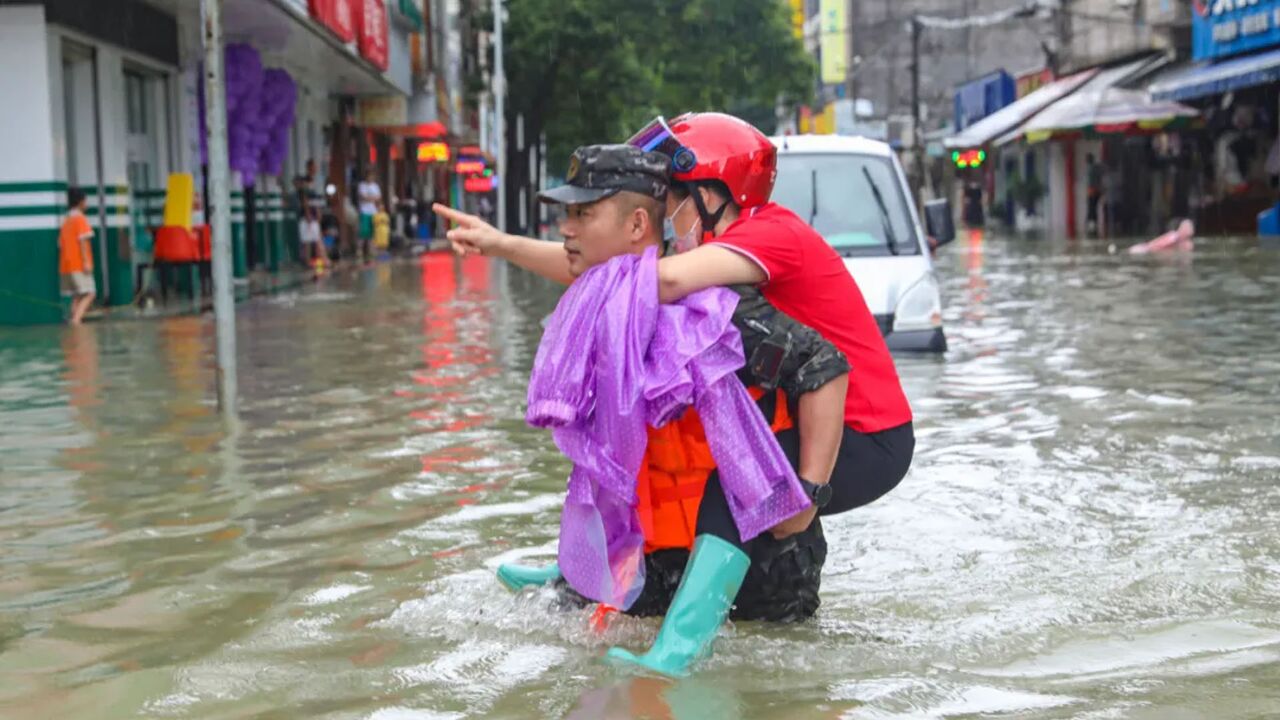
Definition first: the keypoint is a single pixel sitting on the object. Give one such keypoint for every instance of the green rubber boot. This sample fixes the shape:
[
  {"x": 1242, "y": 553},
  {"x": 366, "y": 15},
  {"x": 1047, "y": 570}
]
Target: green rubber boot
[
  {"x": 518, "y": 577},
  {"x": 701, "y": 604}
]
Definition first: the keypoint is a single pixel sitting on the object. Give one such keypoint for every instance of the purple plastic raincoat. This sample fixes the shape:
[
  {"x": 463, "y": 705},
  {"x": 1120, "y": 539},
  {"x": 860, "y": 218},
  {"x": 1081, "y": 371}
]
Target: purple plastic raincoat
[{"x": 612, "y": 362}]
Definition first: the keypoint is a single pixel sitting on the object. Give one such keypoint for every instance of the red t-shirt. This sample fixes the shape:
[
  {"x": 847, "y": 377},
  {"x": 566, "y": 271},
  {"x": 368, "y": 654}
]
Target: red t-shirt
[{"x": 808, "y": 281}]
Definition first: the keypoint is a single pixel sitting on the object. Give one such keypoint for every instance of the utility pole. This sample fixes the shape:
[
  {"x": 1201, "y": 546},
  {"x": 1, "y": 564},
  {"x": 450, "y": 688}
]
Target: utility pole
[
  {"x": 850, "y": 53},
  {"x": 917, "y": 131},
  {"x": 1059, "y": 59},
  {"x": 224, "y": 307},
  {"x": 500, "y": 112}
]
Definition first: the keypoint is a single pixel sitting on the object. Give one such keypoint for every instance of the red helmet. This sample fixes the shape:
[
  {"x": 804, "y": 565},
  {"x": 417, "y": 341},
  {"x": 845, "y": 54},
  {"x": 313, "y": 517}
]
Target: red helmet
[{"x": 715, "y": 146}]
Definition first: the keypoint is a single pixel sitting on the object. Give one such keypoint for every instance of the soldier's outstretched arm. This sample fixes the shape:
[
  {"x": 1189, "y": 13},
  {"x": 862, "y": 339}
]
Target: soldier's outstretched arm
[{"x": 474, "y": 236}]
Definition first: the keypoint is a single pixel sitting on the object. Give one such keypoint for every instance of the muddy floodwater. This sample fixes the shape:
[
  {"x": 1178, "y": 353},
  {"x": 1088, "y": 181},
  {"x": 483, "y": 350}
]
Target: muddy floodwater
[{"x": 1091, "y": 528}]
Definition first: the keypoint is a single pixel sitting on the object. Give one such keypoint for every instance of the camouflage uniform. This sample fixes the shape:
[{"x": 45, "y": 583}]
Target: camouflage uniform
[
  {"x": 781, "y": 352},
  {"x": 785, "y": 575},
  {"x": 600, "y": 171}
]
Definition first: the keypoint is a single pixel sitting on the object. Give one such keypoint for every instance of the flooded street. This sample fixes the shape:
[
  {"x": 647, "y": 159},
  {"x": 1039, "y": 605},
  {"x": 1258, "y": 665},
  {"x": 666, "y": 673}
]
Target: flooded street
[{"x": 1091, "y": 528}]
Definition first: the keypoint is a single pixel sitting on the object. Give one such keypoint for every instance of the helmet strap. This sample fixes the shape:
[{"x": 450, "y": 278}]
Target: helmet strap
[{"x": 709, "y": 219}]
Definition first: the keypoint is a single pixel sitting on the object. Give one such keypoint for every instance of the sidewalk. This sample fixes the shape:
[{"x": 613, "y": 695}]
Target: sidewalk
[{"x": 258, "y": 284}]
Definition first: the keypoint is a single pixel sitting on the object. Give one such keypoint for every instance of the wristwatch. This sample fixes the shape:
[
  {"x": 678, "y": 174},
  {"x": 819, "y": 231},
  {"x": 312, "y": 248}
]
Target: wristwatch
[{"x": 819, "y": 495}]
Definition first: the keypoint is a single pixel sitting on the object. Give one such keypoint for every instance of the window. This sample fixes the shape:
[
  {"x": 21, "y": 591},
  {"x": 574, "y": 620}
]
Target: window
[
  {"x": 135, "y": 93},
  {"x": 837, "y": 194}
]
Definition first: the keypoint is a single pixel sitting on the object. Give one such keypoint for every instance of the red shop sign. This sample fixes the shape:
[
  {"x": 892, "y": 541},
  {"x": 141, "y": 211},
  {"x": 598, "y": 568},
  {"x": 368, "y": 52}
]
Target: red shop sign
[
  {"x": 337, "y": 15},
  {"x": 477, "y": 184},
  {"x": 373, "y": 32}
]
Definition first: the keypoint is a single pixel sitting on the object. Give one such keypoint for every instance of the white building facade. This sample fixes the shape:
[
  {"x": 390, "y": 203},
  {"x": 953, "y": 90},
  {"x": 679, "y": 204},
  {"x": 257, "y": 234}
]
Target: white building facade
[{"x": 106, "y": 96}]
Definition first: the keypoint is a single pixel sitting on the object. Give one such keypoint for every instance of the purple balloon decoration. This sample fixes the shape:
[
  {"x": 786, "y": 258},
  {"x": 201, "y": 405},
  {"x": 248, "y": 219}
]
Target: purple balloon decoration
[
  {"x": 261, "y": 106},
  {"x": 275, "y": 117}
]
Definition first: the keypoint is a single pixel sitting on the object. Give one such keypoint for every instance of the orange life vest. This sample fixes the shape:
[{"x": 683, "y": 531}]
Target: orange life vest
[{"x": 674, "y": 475}]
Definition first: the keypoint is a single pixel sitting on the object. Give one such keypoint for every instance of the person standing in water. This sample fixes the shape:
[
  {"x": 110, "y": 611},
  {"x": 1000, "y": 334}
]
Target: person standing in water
[{"x": 75, "y": 261}]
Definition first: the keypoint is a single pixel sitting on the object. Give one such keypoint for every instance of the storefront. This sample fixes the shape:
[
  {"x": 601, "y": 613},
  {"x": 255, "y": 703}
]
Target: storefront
[
  {"x": 1105, "y": 176},
  {"x": 107, "y": 96},
  {"x": 1075, "y": 155},
  {"x": 336, "y": 52},
  {"x": 1020, "y": 172},
  {"x": 90, "y": 91},
  {"x": 1234, "y": 79},
  {"x": 974, "y": 175}
]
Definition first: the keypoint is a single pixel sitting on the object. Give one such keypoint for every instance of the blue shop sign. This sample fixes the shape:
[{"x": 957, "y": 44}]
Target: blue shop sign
[
  {"x": 979, "y": 98},
  {"x": 1229, "y": 27}
]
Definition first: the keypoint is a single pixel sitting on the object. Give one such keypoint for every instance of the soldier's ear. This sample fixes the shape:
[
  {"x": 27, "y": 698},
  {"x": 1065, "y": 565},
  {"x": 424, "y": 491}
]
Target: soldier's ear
[{"x": 638, "y": 224}]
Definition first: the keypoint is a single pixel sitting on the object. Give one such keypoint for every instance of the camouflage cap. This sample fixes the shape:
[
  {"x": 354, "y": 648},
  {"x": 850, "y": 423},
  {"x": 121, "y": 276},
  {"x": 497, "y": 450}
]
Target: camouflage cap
[{"x": 600, "y": 171}]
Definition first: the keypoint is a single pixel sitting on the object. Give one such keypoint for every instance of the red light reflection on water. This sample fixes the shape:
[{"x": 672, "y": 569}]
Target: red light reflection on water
[
  {"x": 975, "y": 306},
  {"x": 457, "y": 354}
]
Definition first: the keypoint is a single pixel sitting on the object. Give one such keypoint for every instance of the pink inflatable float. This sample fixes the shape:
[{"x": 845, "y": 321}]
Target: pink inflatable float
[{"x": 1178, "y": 240}]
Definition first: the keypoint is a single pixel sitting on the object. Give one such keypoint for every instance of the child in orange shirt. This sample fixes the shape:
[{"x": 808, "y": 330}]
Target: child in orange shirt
[{"x": 76, "y": 256}]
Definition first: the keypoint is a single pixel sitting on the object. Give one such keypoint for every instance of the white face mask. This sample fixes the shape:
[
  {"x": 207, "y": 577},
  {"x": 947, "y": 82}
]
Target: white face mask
[{"x": 681, "y": 243}]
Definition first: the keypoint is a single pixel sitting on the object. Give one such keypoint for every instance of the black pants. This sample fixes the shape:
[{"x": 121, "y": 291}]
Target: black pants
[
  {"x": 783, "y": 582},
  {"x": 867, "y": 466}
]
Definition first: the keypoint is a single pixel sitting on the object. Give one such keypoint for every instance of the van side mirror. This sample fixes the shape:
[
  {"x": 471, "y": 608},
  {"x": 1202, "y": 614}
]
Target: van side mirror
[{"x": 939, "y": 222}]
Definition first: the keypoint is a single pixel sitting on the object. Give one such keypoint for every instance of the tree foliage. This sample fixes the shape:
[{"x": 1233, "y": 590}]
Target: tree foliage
[{"x": 591, "y": 71}]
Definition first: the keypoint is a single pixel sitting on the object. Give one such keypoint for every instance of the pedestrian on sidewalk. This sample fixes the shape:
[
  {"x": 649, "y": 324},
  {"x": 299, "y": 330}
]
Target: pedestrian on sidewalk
[
  {"x": 1095, "y": 175},
  {"x": 309, "y": 236},
  {"x": 75, "y": 250},
  {"x": 370, "y": 196},
  {"x": 381, "y": 231},
  {"x": 331, "y": 231},
  {"x": 304, "y": 184}
]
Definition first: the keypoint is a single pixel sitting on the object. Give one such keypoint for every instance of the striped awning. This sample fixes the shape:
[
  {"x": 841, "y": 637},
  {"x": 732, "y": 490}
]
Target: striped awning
[
  {"x": 1009, "y": 118},
  {"x": 1102, "y": 106},
  {"x": 1195, "y": 81}
]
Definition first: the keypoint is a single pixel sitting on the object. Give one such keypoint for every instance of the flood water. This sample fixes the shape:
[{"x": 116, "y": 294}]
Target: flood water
[{"x": 1091, "y": 528}]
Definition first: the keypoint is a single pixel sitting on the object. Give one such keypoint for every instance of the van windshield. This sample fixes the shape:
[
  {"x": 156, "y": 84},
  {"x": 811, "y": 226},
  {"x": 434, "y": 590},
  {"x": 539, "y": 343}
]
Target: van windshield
[{"x": 836, "y": 193}]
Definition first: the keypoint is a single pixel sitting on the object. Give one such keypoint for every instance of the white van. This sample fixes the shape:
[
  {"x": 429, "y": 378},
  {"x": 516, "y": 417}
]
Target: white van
[{"x": 853, "y": 191}]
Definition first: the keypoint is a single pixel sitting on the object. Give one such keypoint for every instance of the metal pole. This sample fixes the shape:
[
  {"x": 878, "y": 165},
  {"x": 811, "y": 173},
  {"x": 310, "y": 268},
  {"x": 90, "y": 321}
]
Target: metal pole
[
  {"x": 500, "y": 111},
  {"x": 916, "y": 129},
  {"x": 220, "y": 197},
  {"x": 850, "y": 71}
]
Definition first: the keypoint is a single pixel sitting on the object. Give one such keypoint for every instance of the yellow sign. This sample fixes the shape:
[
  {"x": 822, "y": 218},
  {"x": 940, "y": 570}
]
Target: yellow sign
[
  {"x": 797, "y": 18},
  {"x": 388, "y": 110},
  {"x": 824, "y": 123},
  {"x": 834, "y": 46},
  {"x": 433, "y": 152}
]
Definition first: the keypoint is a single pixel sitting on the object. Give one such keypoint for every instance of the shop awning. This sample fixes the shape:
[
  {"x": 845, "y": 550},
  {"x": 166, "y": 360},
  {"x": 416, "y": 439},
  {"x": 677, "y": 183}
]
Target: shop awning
[
  {"x": 1010, "y": 117},
  {"x": 1195, "y": 81},
  {"x": 1101, "y": 106},
  {"x": 288, "y": 38}
]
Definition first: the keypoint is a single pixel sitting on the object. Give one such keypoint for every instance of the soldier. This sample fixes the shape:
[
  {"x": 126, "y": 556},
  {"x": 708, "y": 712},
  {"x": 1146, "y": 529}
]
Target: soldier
[
  {"x": 723, "y": 171},
  {"x": 614, "y": 198}
]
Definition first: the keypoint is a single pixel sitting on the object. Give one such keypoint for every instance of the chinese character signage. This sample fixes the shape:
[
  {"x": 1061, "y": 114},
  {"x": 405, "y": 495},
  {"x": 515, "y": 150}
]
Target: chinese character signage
[
  {"x": 373, "y": 32},
  {"x": 833, "y": 28},
  {"x": 1230, "y": 27},
  {"x": 382, "y": 111},
  {"x": 433, "y": 152},
  {"x": 337, "y": 15},
  {"x": 1030, "y": 82}
]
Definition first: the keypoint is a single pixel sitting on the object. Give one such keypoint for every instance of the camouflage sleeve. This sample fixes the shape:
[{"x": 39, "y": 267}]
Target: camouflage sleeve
[{"x": 781, "y": 352}]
